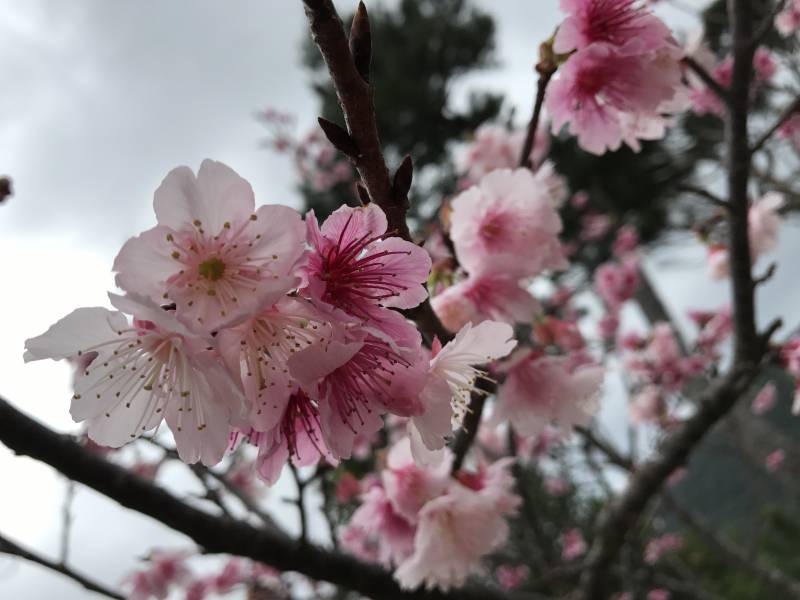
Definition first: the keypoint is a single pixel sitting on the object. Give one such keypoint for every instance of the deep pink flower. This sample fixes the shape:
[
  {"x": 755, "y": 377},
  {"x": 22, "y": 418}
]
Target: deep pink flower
[
  {"x": 790, "y": 130},
  {"x": 510, "y": 577},
  {"x": 572, "y": 545},
  {"x": 143, "y": 373},
  {"x": 356, "y": 267},
  {"x": 625, "y": 24},
  {"x": 540, "y": 389},
  {"x": 212, "y": 254},
  {"x": 626, "y": 242},
  {"x": 296, "y": 436},
  {"x": 616, "y": 282},
  {"x": 354, "y": 381},
  {"x": 507, "y": 224},
  {"x": 774, "y": 460}
]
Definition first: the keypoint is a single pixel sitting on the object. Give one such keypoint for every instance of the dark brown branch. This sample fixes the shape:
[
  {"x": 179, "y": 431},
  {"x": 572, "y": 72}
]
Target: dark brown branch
[
  {"x": 767, "y": 24},
  {"x": 13, "y": 549},
  {"x": 790, "y": 110},
  {"x": 706, "y": 78},
  {"x": 6, "y": 189},
  {"x": 300, "y": 503},
  {"x": 356, "y": 99},
  {"x": 215, "y": 534},
  {"x": 546, "y": 67},
  {"x": 648, "y": 479}
]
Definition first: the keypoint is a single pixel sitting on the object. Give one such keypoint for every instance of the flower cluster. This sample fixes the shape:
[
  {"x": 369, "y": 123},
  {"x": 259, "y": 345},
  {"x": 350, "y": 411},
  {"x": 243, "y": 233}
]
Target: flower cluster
[
  {"x": 250, "y": 324},
  {"x": 622, "y": 75},
  {"x": 433, "y": 527},
  {"x": 495, "y": 147},
  {"x": 787, "y": 22},
  {"x": 504, "y": 231}
]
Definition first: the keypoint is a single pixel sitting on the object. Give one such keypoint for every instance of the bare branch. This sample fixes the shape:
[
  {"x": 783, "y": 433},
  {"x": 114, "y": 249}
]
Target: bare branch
[
  {"x": 704, "y": 193},
  {"x": 787, "y": 113},
  {"x": 215, "y": 534},
  {"x": 13, "y": 549}
]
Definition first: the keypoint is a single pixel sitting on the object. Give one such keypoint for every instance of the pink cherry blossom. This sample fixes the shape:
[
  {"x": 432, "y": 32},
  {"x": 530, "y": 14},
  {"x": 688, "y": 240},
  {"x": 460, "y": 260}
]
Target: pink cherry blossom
[
  {"x": 296, "y": 436},
  {"x": 456, "y": 530},
  {"x": 507, "y": 224},
  {"x": 486, "y": 296},
  {"x": 647, "y": 406},
  {"x": 774, "y": 460},
  {"x": 347, "y": 488},
  {"x": 657, "y": 547},
  {"x": 257, "y": 352},
  {"x": 616, "y": 282},
  {"x": 626, "y": 242},
  {"x": 600, "y": 83},
  {"x": 790, "y": 130},
  {"x": 164, "y": 569},
  {"x": 409, "y": 486},
  {"x": 787, "y": 22},
  {"x": 354, "y": 381},
  {"x": 377, "y": 533},
  {"x": 212, "y": 253},
  {"x": 452, "y": 376},
  {"x": 718, "y": 262},
  {"x": 510, "y": 577},
  {"x": 624, "y": 24},
  {"x": 357, "y": 268},
  {"x": 658, "y": 594},
  {"x": 572, "y": 545},
  {"x": 790, "y": 356},
  {"x": 764, "y": 221},
  {"x": 143, "y": 373},
  {"x": 540, "y": 389},
  {"x": 497, "y": 147}
]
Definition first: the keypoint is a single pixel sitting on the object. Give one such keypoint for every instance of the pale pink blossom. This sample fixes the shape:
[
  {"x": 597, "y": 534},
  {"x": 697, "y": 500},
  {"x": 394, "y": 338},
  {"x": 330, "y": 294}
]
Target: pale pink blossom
[
  {"x": 456, "y": 530},
  {"x": 144, "y": 372},
  {"x": 787, "y": 22},
  {"x": 658, "y": 594},
  {"x": 164, "y": 569},
  {"x": 764, "y": 221},
  {"x": 486, "y": 296},
  {"x": 774, "y": 460},
  {"x": 718, "y": 262},
  {"x": 212, "y": 253},
  {"x": 497, "y": 147},
  {"x": 540, "y": 389},
  {"x": 376, "y": 532},
  {"x": 790, "y": 356},
  {"x": 594, "y": 227},
  {"x": 657, "y": 547},
  {"x": 556, "y": 486},
  {"x": 764, "y": 64},
  {"x": 408, "y": 485},
  {"x": 572, "y": 545},
  {"x": 790, "y": 130},
  {"x": 647, "y": 406},
  {"x": 507, "y": 224},
  {"x": 452, "y": 376},
  {"x": 626, "y": 241},
  {"x": 348, "y": 487},
  {"x": 564, "y": 334},
  {"x": 625, "y": 24}
]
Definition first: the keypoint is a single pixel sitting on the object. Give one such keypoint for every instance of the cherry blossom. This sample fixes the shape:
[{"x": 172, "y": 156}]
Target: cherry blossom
[
  {"x": 144, "y": 372},
  {"x": 507, "y": 224},
  {"x": 496, "y": 147},
  {"x": 540, "y": 389},
  {"x": 572, "y": 545},
  {"x": 452, "y": 376},
  {"x": 212, "y": 253},
  {"x": 657, "y": 547},
  {"x": 787, "y": 22}
]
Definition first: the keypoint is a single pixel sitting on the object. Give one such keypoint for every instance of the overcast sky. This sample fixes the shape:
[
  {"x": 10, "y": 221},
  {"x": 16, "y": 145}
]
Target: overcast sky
[{"x": 100, "y": 100}]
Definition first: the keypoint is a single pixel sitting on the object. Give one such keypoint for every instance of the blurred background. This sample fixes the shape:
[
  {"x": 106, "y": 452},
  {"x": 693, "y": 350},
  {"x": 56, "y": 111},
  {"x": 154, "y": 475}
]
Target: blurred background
[{"x": 101, "y": 99}]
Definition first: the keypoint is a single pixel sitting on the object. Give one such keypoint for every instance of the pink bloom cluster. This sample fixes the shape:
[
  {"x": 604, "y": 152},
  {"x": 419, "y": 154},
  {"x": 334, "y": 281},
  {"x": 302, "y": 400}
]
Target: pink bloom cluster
[
  {"x": 764, "y": 222},
  {"x": 622, "y": 75},
  {"x": 496, "y": 147},
  {"x": 434, "y": 528},
  {"x": 657, "y": 547},
  {"x": 504, "y": 230},
  {"x": 250, "y": 324},
  {"x": 790, "y": 357},
  {"x": 317, "y": 162},
  {"x": 573, "y": 545},
  {"x": 790, "y": 130}
]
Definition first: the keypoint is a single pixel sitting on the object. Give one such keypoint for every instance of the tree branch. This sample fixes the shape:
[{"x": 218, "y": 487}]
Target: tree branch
[
  {"x": 9, "y": 547},
  {"x": 215, "y": 534},
  {"x": 706, "y": 78},
  {"x": 790, "y": 110}
]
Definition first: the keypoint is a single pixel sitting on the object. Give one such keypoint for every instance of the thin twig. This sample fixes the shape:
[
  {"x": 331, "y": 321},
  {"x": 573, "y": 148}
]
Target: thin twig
[
  {"x": 13, "y": 549},
  {"x": 706, "y": 78},
  {"x": 66, "y": 521},
  {"x": 704, "y": 193},
  {"x": 299, "y": 502},
  {"x": 787, "y": 113},
  {"x": 767, "y": 24}
]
